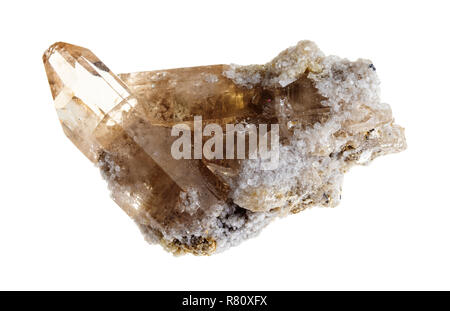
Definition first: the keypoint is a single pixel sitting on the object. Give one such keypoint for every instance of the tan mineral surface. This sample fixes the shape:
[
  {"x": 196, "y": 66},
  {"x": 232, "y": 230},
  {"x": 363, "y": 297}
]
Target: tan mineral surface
[{"x": 328, "y": 110}]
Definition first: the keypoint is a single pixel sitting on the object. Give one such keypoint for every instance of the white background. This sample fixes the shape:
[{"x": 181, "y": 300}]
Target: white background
[{"x": 60, "y": 230}]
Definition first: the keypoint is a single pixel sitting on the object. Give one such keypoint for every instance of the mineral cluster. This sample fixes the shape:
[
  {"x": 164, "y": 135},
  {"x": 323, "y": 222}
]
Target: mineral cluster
[{"x": 329, "y": 118}]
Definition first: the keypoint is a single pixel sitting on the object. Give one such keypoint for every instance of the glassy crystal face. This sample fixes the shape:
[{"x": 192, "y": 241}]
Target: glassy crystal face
[{"x": 328, "y": 110}]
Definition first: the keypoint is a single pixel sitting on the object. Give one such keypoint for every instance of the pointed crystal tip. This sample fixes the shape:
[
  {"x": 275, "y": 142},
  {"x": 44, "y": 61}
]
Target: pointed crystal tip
[
  {"x": 84, "y": 91},
  {"x": 55, "y": 46}
]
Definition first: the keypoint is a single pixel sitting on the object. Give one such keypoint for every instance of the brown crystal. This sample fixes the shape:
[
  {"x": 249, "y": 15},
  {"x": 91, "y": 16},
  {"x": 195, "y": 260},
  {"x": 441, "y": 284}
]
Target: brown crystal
[{"x": 328, "y": 111}]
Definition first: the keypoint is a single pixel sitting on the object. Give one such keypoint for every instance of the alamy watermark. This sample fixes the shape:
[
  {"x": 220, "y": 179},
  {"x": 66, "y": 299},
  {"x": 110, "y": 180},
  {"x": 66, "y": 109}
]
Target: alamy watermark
[{"x": 236, "y": 146}]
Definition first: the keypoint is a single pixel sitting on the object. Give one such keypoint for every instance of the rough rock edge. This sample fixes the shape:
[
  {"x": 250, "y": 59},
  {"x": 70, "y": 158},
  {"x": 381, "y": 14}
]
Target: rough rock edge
[
  {"x": 282, "y": 70},
  {"x": 314, "y": 162}
]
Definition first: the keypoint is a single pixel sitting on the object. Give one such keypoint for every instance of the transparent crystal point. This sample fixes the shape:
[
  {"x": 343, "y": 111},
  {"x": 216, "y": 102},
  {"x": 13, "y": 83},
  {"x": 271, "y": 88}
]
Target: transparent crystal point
[{"x": 83, "y": 89}]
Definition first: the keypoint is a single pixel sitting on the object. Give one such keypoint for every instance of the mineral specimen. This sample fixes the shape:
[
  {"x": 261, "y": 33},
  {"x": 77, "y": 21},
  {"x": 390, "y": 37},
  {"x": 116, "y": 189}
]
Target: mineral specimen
[{"x": 328, "y": 113}]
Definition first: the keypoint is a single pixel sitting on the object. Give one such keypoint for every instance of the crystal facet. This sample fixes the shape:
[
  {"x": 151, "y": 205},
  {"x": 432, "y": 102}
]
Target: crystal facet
[{"x": 328, "y": 110}]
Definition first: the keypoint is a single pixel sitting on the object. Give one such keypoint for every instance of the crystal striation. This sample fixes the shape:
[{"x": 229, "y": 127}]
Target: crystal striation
[{"x": 329, "y": 114}]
